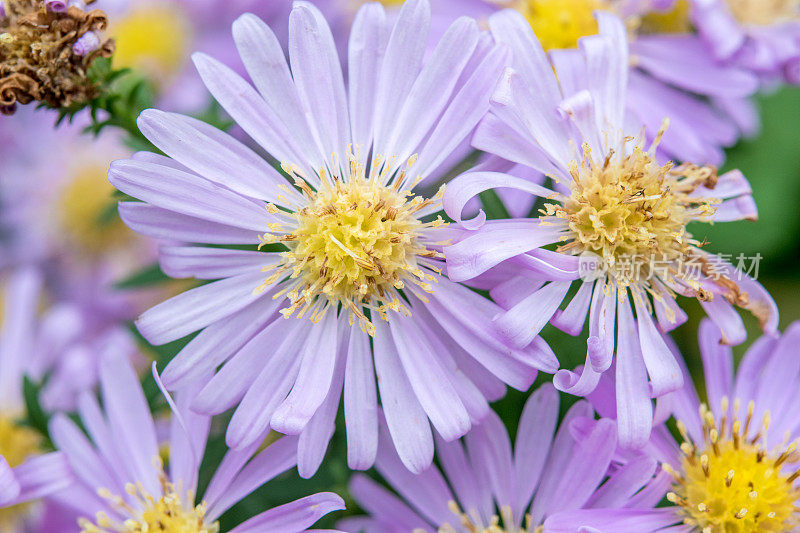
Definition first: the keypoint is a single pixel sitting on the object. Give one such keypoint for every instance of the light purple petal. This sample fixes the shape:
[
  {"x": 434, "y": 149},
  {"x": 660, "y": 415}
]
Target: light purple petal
[
  {"x": 293, "y": 517},
  {"x": 634, "y": 409},
  {"x": 360, "y": 402}
]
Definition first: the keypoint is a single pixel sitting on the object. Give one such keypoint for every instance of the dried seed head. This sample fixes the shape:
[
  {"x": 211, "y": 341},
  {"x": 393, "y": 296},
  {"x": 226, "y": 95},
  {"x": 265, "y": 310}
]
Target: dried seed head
[{"x": 45, "y": 52}]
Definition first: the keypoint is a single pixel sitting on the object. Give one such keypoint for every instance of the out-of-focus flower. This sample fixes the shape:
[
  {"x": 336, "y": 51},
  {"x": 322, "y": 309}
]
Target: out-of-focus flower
[
  {"x": 119, "y": 482},
  {"x": 618, "y": 217},
  {"x": 737, "y": 466},
  {"x": 340, "y": 239},
  {"x": 58, "y": 215},
  {"x": 46, "y": 48},
  {"x": 760, "y": 35},
  {"x": 484, "y": 486},
  {"x": 21, "y": 447}
]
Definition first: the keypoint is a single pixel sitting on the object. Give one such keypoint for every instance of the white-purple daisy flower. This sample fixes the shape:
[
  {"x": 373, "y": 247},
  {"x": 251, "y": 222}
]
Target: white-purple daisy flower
[
  {"x": 118, "y": 481},
  {"x": 761, "y": 36},
  {"x": 614, "y": 208},
  {"x": 735, "y": 466},
  {"x": 484, "y": 486},
  {"x": 347, "y": 282}
]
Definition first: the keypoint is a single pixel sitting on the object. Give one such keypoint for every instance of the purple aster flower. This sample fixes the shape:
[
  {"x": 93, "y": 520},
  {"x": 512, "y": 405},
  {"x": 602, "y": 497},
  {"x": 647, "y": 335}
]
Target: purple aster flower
[
  {"x": 735, "y": 466},
  {"x": 763, "y": 37},
  {"x": 347, "y": 281},
  {"x": 617, "y": 216},
  {"x": 120, "y": 484},
  {"x": 485, "y": 486},
  {"x": 21, "y": 447},
  {"x": 673, "y": 72}
]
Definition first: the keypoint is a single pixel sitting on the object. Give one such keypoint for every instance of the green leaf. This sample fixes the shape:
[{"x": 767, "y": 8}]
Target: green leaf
[{"x": 36, "y": 417}]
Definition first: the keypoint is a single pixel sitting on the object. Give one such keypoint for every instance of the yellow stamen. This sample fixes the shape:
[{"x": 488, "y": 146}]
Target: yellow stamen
[
  {"x": 167, "y": 512},
  {"x": 764, "y": 12},
  {"x": 733, "y": 483},
  {"x": 560, "y": 23},
  {"x": 17, "y": 443},
  {"x": 355, "y": 242},
  {"x": 472, "y": 523}
]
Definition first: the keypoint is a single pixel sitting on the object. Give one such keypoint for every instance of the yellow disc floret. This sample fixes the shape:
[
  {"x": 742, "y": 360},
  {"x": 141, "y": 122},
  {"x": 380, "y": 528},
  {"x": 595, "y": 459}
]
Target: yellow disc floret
[
  {"x": 731, "y": 483},
  {"x": 17, "y": 443},
  {"x": 674, "y": 20},
  {"x": 356, "y": 242},
  {"x": 560, "y": 23},
  {"x": 764, "y": 12},
  {"x": 473, "y": 523},
  {"x": 152, "y": 37},
  {"x": 632, "y": 209},
  {"x": 87, "y": 212},
  {"x": 169, "y": 512}
]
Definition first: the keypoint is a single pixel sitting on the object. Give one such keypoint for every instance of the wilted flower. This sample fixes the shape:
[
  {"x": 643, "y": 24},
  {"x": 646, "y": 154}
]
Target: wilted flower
[
  {"x": 46, "y": 48},
  {"x": 485, "y": 487},
  {"x": 613, "y": 207}
]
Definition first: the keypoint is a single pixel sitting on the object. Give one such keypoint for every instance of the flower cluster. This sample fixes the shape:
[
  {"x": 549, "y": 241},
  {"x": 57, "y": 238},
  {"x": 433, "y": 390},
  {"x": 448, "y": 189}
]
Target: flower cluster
[{"x": 393, "y": 206}]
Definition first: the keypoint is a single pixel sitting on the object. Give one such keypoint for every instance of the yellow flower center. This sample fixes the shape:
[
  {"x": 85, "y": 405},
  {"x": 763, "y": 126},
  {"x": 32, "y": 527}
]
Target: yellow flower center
[
  {"x": 472, "y": 522},
  {"x": 560, "y": 23},
  {"x": 675, "y": 20},
  {"x": 167, "y": 513},
  {"x": 731, "y": 483},
  {"x": 632, "y": 210},
  {"x": 87, "y": 212},
  {"x": 17, "y": 443},
  {"x": 356, "y": 242},
  {"x": 764, "y": 12},
  {"x": 153, "y": 38}
]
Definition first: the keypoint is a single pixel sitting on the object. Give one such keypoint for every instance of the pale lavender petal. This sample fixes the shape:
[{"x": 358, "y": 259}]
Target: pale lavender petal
[
  {"x": 405, "y": 418},
  {"x": 717, "y": 365},
  {"x": 665, "y": 374},
  {"x": 218, "y": 342},
  {"x": 489, "y": 450},
  {"x": 429, "y": 380},
  {"x": 318, "y": 77},
  {"x": 293, "y": 517},
  {"x": 211, "y": 153},
  {"x": 384, "y": 505},
  {"x": 187, "y": 194},
  {"x": 367, "y": 46},
  {"x": 42, "y": 476},
  {"x": 634, "y": 408},
  {"x": 623, "y": 484},
  {"x": 616, "y": 520},
  {"x": 518, "y": 326},
  {"x": 9, "y": 486},
  {"x": 537, "y": 426},
  {"x": 360, "y": 402},
  {"x": 727, "y": 318},
  {"x": 472, "y": 495},
  {"x": 199, "y": 307},
  {"x": 211, "y": 263},
  {"x": 573, "y": 317},
  {"x": 497, "y": 241},
  {"x": 168, "y": 225},
  {"x": 313, "y": 380}
]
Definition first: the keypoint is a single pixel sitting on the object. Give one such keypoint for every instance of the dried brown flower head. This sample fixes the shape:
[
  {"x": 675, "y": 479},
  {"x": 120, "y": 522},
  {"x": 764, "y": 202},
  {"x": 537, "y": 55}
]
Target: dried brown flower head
[{"x": 46, "y": 48}]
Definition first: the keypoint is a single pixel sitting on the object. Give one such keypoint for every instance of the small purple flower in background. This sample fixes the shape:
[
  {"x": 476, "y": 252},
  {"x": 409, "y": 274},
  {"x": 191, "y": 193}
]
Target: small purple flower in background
[
  {"x": 349, "y": 268},
  {"x": 614, "y": 207},
  {"x": 485, "y": 486},
  {"x": 762, "y": 36},
  {"x": 119, "y": 482},
  {"x": 738, "y": 465},
  {"x": 21, "y": 447}
]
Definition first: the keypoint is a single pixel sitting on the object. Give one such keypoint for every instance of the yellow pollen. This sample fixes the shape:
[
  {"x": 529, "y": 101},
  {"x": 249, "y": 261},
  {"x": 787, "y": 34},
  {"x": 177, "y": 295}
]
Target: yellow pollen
[
  {"x": 764, "y": 12},
  {"x": 472, "y": 522},
  {"x": 631, "y": 209},
  {"x": 165, "y": 513},
  {"x": 675, "y": 20},
  {"x": 17, "y": 443},
  {"x": 560, "y": 23},
  {"x": 153, "y": 38},
  {"x": 356, "y": 242},
  {"x": 731, "y": 483},
  {"x": 87, "y": 212}
]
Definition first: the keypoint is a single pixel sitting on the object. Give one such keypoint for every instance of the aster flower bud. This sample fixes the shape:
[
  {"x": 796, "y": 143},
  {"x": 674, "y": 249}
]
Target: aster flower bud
[{"x": 46, "y": 49}]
